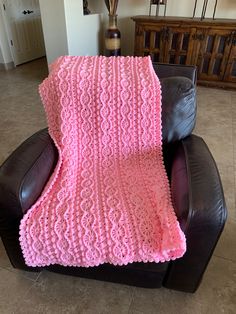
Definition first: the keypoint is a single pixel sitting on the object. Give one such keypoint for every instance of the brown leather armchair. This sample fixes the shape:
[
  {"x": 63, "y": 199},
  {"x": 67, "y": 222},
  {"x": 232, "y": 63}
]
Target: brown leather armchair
[{"x": 196, "y": 189}]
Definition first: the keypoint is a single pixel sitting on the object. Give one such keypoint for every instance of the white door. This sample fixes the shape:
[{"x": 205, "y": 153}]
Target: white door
[{"x": 24, "y": 28}]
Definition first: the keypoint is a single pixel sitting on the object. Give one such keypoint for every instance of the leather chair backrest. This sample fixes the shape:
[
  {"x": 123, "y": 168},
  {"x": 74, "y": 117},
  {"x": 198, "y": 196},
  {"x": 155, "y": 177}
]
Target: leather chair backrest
[
  {"x": 178, "y": 108},
  {"x": 164, "y": 70}
]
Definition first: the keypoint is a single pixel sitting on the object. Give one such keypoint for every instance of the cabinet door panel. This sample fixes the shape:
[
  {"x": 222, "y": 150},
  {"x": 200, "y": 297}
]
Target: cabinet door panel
[
  {"x": 148, "y": 41},
  {"x": 230, "y": 73},
  {"x": 139, "y": 40},
  {"x": 213, "y": 55},
  {"x": 197, "y": 38},
  {"x": 179, "y": 45}
]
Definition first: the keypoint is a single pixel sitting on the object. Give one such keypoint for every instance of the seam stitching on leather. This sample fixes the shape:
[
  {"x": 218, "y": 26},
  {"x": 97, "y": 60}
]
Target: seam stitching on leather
[{"x": 190, "y": 198}]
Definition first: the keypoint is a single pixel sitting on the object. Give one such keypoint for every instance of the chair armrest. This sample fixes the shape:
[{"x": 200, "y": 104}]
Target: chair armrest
[
  {"x": 198, "y": 200},
  {"x": 22, "y": 179},
  {"x": 24, "y": 174}
]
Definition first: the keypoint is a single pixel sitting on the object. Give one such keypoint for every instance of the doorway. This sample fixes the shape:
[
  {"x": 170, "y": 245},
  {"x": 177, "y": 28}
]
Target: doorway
[{"x": 22, "y": 19}]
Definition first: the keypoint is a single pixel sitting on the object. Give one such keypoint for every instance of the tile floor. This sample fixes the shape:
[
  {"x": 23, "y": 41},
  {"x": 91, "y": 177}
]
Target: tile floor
[{"x": 21, "y": 114}]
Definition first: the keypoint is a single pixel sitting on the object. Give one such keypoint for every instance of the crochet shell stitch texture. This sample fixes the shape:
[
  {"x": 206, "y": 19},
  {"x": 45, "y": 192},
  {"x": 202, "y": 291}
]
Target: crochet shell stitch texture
[{"x": 108, "y": 200}]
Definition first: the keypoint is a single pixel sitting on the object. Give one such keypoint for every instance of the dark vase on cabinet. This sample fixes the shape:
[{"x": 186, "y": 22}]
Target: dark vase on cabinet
[
  {"x": 208, "y": 44},
  {"x": 112, "y": 38}
]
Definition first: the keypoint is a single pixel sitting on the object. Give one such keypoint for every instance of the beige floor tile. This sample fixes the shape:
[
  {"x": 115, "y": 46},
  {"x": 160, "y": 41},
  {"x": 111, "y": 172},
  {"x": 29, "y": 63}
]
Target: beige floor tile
[
  {"x": 215, "y": 123},
  {"x": 213, "y": 96},
  {"x": 164, "y": 301},
  {"x": 226, "y": 246},
  {"x": 21, "y": 111},
  {"x": 210, "y": 115},
  {"x": 4, "y": 260},
  {"x": 233, "y": 97},
  {"x": 219, "y": 283},
  {"x": 13, "y": 288},
  {"x": 216, "y": 294},
  {"x": 228, "y": 181},
  {"x": 5, "y": 264},
  {"x": 56, "y": 293}
]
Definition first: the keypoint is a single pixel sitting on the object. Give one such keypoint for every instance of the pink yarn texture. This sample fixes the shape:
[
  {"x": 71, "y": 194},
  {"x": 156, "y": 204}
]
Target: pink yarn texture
[{"x": 108, "y": 200}]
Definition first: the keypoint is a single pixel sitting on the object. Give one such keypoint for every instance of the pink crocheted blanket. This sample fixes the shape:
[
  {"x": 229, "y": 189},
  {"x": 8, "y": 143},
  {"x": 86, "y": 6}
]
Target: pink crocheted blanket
[{"x": 108, "y": 200}]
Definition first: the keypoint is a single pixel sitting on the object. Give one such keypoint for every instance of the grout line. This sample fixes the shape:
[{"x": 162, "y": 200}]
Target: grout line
[
  {"x": 225, "y": 259},
  {"x": 16, "y": 271},
  {"x": 39, "y": 275},
  {"x": 25, "y": 295},
  {"x": 3, "y": 268},
  {"x": 131, "y": 301}
]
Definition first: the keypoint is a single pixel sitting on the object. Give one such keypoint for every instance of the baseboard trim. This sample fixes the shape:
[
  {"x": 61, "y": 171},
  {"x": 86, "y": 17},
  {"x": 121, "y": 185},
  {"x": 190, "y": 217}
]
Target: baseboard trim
[
  {"x": 218, "y": 84},
  {"x": 7, "y": 66}
]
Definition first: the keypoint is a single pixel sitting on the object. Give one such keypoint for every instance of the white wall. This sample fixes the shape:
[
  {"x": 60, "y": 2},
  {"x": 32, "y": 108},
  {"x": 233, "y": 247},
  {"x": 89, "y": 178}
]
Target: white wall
[
  {"x": 83, "y": 31},
  {"x": 128, "y": 8},
  {"x": 54, "y": 28},
  {"x": 67, "y": 31}
]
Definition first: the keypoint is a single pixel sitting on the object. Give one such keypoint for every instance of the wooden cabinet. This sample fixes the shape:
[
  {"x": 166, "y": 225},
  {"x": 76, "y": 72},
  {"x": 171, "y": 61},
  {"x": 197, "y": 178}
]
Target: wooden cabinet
[
  {"x": 230, "y": 73},
  {"x": 213, "y": 54},
  {"x": 179, "y": 45},
  {"x": 208, "y": 44}
]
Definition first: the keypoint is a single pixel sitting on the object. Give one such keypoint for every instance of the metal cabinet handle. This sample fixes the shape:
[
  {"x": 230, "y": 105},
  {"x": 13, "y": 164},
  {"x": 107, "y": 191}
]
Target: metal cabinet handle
[
  {"x": 165, "y": 33},
  {"x": 234, "y": 38},
  {"x": 27, "y": 12},
  {"x": 231, "y": 38}
]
